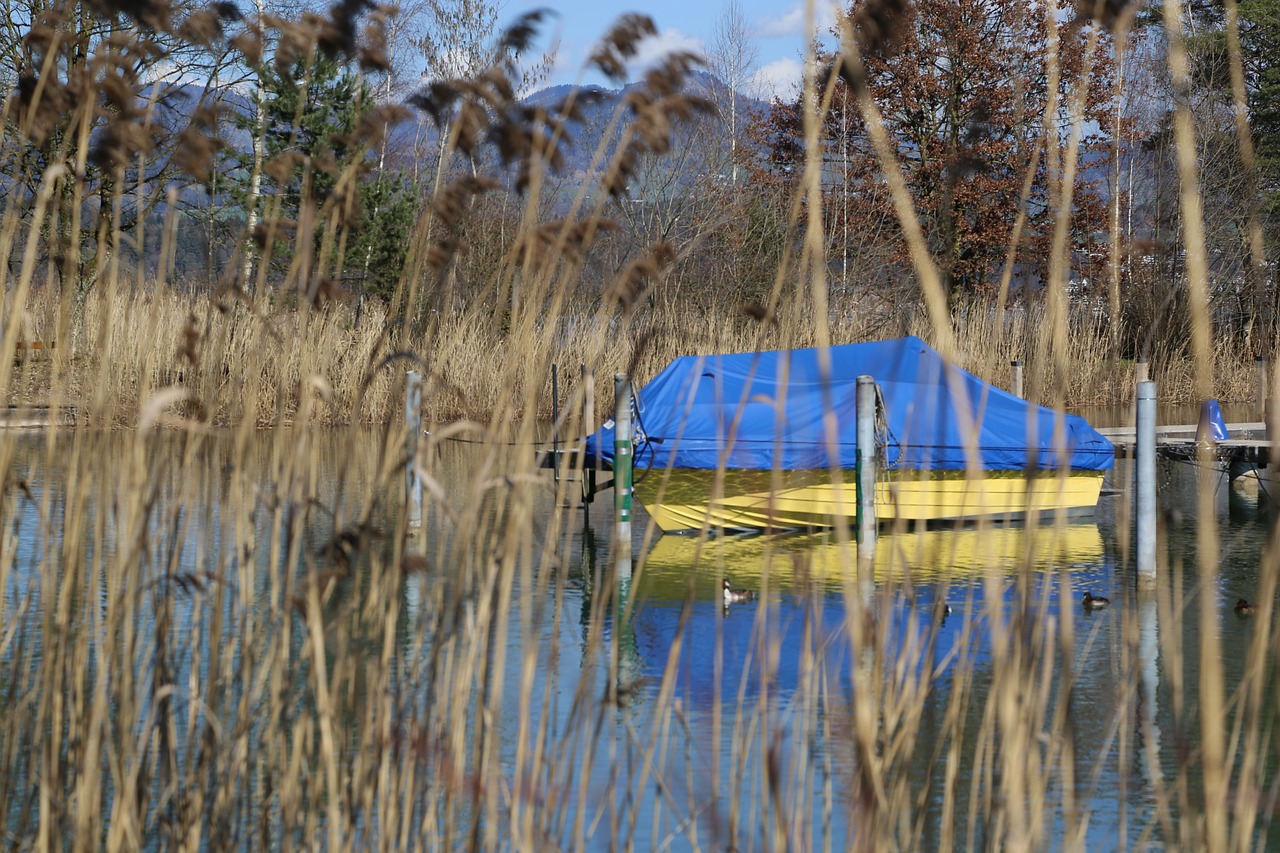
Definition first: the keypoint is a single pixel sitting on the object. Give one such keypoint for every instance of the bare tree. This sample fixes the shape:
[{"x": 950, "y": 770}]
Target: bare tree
[
  {"x": 125, "y": 103},
  {"x": 458, "y": 40},
  {"x": 731, "y": 58}
]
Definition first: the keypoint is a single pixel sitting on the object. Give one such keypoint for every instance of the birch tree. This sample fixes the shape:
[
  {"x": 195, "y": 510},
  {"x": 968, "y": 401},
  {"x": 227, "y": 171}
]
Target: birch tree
[{"x": 732, "y": 55}]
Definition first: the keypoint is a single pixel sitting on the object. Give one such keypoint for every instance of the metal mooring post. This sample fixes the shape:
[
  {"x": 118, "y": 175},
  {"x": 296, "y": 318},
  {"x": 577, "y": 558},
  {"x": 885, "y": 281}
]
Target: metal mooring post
[
  {"x": 1015, "y": 386},
  {"x": 1261, "y": 395},
  {"x": 555, "y": 421},
  {"x": 865, "y": 476},
  {"x": 622, "y": 474},
  {"x": 1145, "y": 489},
  {"x": 588, "y": 428},
  {"x": 413, "y": 427}
]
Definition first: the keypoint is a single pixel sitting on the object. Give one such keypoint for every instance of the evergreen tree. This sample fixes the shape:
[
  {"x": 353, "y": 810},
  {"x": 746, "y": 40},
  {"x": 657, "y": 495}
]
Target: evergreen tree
[
  {"x": 380, "y": 241},
  {"x": 312, "y": 116}
]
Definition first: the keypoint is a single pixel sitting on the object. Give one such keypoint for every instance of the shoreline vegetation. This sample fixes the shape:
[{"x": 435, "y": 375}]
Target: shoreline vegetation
[
  {"x": 208, "y": 644},
  {"x": 149, "y": 338}
]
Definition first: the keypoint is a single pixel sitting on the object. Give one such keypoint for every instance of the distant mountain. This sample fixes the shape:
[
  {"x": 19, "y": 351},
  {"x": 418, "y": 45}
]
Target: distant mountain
[{"x": 599, "y": 106}]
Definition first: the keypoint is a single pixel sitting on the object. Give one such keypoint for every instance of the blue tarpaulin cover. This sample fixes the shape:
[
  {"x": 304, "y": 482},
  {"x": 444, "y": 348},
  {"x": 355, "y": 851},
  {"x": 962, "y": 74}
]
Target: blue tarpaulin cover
[{"x": 765, "y": 410}]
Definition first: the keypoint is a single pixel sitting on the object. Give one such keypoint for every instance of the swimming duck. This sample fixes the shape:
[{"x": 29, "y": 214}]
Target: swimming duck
[
  {"x": 1094, "y": 602},
  {"x": 733, "y": 596},
  {"x": 941, "y": 610},
  {"x": 1244, "y": 608}
]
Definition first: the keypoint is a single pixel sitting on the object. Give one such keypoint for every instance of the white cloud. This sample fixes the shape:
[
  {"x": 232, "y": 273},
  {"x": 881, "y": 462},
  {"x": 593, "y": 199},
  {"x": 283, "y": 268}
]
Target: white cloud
[
  {"x": 781, "y": 78},
  {"x": 790, "y": 23},
  {"x": 669, "y": 40}
]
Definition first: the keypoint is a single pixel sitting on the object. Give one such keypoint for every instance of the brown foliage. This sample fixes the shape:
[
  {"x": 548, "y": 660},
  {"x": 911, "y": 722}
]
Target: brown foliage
[{"x": 962, "y": 87}]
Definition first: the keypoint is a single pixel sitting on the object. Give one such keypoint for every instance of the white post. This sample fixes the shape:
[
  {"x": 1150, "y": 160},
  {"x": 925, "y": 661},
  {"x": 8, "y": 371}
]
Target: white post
[
  {"x": 1015, "y": 387},
  {"x": 1148, "y": 685},
  {"x": 866, "y": 469},
  {"x": 1261, "y": 396},
  {"x": 622, "y": 474},
  {"x": 589, "y": 428},
  {"x": 588, "y": 402},
  {"x": 413, "y": 426},
  {"x": 1145, "y": 489}
]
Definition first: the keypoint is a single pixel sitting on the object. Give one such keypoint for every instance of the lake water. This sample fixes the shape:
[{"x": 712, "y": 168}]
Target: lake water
[{"x": 672, "y": 723}]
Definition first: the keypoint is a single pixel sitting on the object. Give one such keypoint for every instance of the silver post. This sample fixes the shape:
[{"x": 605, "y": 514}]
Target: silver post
[
  {"x": 555, "y": 416},
  {"x": 413, "y": 426},
  {"x": 1148, "y": 685},
  {"x": 1266, "y": 473},
  {"x": 622, "y": 474},
  {"x": 1145, "y": 488},
  {"x": 588, "y": 428},
  {"x": 1261, "y": 395},
  {"x": 1015, "y": 386},
  {"x": 866, "y": 470},
  {"x": 588, "y": 402}
]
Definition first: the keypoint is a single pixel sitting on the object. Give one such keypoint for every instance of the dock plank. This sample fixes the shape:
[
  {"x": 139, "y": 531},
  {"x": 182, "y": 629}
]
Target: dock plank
[
  {"x": 37, "y": 417},
  {"x": 1247, "y": 441}
]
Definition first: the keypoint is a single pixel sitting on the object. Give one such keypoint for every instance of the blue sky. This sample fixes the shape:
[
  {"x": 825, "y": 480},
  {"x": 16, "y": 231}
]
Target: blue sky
[{"x": 777, "y": 29}]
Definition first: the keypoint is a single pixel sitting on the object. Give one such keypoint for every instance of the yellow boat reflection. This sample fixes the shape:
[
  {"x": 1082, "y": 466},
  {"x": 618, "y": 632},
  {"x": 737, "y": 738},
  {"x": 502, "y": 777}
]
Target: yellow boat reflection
[{"x": 918, "y": 556}]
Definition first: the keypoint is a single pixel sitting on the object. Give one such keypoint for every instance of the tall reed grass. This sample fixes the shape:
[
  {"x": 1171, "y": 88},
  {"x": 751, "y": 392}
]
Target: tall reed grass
[
  {"x": 216, "y": 638},
  {"x": 141, "y": 337}
]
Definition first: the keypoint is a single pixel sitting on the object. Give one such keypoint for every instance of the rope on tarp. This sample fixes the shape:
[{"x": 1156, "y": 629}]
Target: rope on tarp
[{"x": 640, "y": 440}]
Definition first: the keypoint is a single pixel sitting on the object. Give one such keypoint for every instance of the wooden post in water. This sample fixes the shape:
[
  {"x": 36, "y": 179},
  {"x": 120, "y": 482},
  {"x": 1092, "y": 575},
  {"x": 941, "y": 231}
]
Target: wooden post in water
[
  {"x": 622, "y": 475},
  {"x": 865, "y": 476},
  {"x": 1015, "y": 386},
  {"x": 1145, "y": 488},
  {"x": 413, "y": 427}
]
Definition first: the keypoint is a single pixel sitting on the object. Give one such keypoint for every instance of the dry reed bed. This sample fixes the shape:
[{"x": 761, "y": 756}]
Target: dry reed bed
[
  {"x": 469, "y": 362},
  {"x": 243, "y": 361}
]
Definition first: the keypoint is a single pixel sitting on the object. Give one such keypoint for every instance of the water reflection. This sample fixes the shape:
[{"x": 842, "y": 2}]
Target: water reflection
[{"x": 713, "y": 695}]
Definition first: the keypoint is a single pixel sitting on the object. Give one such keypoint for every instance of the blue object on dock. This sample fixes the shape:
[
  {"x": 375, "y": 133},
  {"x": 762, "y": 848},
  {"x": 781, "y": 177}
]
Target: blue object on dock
[
  {"x": 1211, "y": 427},
  {"x": 795, "y": 410}
]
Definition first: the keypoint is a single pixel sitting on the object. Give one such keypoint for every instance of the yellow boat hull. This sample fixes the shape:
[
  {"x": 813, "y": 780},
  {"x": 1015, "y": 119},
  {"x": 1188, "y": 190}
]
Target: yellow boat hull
[{"x": 684, "y": 499}]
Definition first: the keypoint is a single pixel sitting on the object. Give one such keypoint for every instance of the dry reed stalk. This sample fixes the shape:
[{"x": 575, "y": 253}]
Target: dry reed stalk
[{"x": 1214, "y": 760}]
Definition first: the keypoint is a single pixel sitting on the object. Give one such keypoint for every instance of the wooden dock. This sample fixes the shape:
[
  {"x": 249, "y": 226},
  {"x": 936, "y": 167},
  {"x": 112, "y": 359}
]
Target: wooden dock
[
  {"x": 38, "y": 417},
  {"x": 1247, "y": 442}
]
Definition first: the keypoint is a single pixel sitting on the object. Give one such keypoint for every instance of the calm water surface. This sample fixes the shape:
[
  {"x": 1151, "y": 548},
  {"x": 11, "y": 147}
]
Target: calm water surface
[{"x": 749, "y": 665}]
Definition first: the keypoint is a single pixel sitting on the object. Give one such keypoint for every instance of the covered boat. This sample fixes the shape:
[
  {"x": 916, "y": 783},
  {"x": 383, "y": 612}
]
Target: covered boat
[{"x": 764, "y": 440}]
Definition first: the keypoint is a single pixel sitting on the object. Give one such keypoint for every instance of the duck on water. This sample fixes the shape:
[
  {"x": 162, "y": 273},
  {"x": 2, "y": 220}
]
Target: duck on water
[
  {"x": 734, "y": 596},
  {"x": 1094, "y": 602}
]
